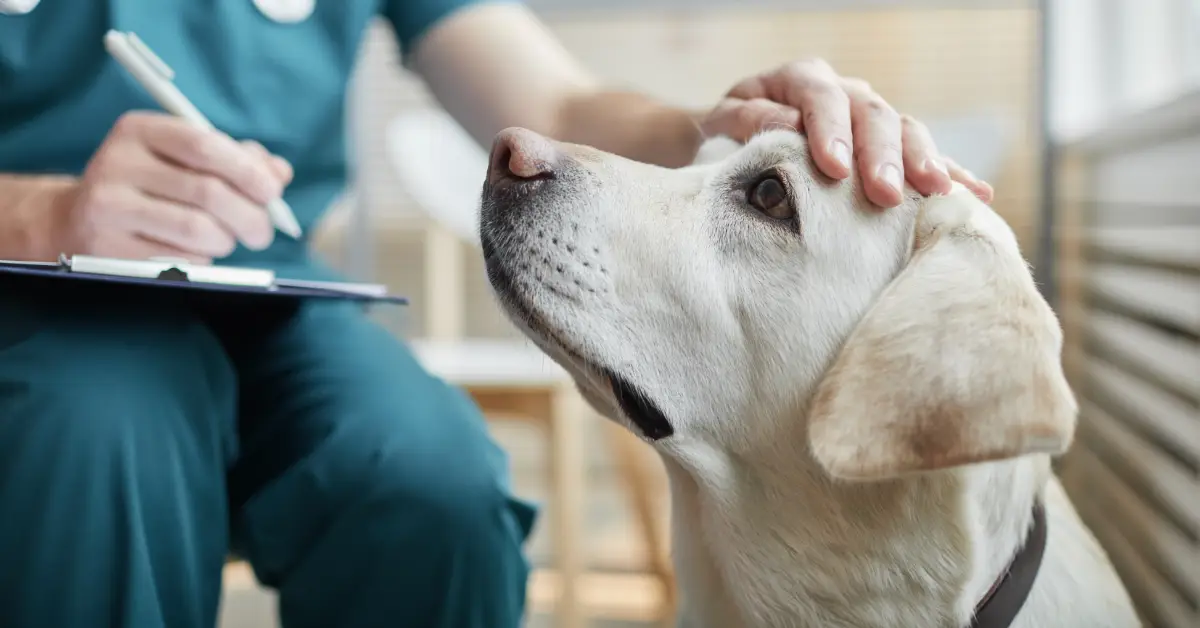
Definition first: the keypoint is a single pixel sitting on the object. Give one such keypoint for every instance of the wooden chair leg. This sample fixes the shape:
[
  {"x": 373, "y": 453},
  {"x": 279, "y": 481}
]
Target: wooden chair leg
[
  {"x": 568, "y": 467},
  {"x": 637, "y": 472},
  {"x": 445, "y": 276}
]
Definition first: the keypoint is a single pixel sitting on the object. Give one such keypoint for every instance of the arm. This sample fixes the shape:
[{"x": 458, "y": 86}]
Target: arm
[
  {"x": 27, "y": 205},
  {"x": 495, "y": 65}
]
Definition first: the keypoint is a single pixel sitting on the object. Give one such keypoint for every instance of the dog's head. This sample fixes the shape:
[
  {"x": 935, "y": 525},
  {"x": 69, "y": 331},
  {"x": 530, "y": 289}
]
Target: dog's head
[{"x": 751, "y": 299}]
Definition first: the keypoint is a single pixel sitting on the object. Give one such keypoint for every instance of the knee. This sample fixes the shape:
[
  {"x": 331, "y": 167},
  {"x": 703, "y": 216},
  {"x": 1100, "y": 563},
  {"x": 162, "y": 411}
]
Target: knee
[
  {"x": 464, "y": 501},
  {"x": 469, "y": 508},
  {"x": 453, "y": 485}
]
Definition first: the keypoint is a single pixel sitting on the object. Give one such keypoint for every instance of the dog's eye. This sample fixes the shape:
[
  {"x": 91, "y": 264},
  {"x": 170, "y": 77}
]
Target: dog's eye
[{"x": 769, "y": 196}]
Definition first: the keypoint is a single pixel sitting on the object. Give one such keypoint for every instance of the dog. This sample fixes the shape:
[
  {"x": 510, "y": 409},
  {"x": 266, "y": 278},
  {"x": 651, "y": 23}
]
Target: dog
[{"x": 857, "y": 408}]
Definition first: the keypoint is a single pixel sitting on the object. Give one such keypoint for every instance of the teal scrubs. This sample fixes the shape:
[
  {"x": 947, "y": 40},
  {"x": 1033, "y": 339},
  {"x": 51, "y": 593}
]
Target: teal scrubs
[{"x": 143, "y": 440}]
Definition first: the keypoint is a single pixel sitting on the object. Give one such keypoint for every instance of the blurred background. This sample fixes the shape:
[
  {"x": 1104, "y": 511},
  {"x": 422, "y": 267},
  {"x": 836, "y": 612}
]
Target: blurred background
[{"x": 1083, "y": 114}]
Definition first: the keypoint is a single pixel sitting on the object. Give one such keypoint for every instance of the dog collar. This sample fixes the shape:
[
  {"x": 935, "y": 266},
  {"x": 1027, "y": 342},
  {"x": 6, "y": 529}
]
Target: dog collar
[{"x": 1004, "y": 600}]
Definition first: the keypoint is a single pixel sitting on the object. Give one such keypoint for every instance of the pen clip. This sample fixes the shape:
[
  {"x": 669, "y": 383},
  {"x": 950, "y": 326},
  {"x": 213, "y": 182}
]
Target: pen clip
[{"x": 142, "y": 50}]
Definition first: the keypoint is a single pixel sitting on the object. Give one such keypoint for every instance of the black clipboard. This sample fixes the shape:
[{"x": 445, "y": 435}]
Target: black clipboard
[{"x": 229, "y": 284}]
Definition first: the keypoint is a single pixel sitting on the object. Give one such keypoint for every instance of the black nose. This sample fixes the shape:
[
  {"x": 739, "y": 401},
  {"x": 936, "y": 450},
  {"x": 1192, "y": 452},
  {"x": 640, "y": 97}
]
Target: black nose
[{"x": 520, "y": 155}]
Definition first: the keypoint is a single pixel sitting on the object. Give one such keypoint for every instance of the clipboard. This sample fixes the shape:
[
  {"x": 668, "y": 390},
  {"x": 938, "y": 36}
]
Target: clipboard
[{"x": 183, "y": 276}]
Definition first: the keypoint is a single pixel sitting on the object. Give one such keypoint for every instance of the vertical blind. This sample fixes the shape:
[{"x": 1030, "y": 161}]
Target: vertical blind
[{"x": 1130, "y": 257}]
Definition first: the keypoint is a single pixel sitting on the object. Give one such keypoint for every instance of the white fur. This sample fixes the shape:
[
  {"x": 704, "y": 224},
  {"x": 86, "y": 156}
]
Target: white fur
[{"x": 733, "y": 325}]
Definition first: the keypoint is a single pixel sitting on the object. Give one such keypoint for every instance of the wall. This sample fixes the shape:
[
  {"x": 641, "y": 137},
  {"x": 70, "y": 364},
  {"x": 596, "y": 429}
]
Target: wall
[{"x": 1111, "y": 58}]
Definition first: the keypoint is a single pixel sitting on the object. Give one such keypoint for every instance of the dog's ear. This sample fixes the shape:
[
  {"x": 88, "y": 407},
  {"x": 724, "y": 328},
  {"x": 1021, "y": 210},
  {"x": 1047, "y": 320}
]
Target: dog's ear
[{"x": 958, "y": 362}]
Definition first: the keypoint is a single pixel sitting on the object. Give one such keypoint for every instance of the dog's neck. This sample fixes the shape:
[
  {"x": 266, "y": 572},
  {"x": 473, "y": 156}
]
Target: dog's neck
[{"x": 790, "y": 546}]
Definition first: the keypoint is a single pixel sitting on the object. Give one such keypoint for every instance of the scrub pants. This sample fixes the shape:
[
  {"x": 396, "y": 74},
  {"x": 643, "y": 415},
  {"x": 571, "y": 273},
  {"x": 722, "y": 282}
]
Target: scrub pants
[{"x": 140, "y": 443}]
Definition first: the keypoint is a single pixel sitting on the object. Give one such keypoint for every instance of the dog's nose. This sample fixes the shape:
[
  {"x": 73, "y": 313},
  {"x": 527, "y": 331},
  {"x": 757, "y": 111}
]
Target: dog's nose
[{"x": 520, "y": 155}]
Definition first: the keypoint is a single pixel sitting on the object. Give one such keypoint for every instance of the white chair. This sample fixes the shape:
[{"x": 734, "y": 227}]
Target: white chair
[{"x": 442, "y": 168}]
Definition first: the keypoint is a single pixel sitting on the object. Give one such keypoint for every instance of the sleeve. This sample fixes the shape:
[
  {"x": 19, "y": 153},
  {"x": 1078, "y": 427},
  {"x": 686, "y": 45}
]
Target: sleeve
[{"x": 411, "y": 19}]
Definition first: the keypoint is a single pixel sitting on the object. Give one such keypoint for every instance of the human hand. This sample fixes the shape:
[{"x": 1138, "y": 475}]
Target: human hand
[
  {"x": 159, "y": 187},
  {"x": 845, "y": 120}
]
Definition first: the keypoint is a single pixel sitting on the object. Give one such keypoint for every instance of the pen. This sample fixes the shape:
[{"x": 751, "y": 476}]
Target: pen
[{"x": 156, "y": 77}]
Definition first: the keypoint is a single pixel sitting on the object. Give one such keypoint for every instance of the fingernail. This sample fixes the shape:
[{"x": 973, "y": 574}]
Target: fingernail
[
  {"x": 933, "y": 164},
  {"x": 282, "y": 167},
  {"x": 841, "y": 152},
  {"x": 890, "y": 175}
]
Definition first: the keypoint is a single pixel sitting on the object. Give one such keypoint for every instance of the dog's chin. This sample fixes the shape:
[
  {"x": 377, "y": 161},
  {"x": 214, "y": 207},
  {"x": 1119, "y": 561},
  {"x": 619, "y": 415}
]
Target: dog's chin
[
  {"x": 605, "y": 388},
  {"x": 641, "y": 412}
]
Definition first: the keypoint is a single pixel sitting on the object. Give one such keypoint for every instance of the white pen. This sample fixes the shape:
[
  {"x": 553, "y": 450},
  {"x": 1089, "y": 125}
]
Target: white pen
[{"x": 156, "y": 77}]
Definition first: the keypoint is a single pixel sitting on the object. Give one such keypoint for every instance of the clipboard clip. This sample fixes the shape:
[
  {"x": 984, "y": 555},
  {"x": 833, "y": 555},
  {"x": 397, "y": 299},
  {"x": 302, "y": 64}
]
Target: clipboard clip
[
  {"x": 169, "y": 269},
  {"x": 173, "y": 274}
]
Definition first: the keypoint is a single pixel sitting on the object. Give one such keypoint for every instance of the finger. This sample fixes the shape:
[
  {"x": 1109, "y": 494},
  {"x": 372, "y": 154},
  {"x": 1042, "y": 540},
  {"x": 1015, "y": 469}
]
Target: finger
[
  {"x": 185, "y": 228},
  {"x": 132, "y": 246},
  {"x": 750, "y": 88},
  {"x": 250, "y": 224},
  {"x": 826, "y": 113},
  {"x": 980, "y": 188},
  {"x": 742, "y": 119},
  {"x": 922, "y": 163},
  {"x": 771, "y": 85},
  {"x": 812, "y": 87},
  {"x": 213, "y": 153},
  {"x": 177, "y": 226},
  {"x": 878, "y": 137},
  {"x": 278, "y": 165}
]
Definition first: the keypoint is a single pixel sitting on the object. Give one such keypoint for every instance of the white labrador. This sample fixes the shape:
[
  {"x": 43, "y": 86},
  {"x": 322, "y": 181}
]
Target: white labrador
[{"x": 856, "y": 407}]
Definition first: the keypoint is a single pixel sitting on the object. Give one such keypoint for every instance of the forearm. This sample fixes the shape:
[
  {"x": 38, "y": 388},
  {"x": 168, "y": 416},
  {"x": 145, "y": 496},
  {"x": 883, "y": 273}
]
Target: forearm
[
  {"x": 496, "y": 65},
  {"x": 631, "y": 125},
  {"x": 27, "y": 208}
]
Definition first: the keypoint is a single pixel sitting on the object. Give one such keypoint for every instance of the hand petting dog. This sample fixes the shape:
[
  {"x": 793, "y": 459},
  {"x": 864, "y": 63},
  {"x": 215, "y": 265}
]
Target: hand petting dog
[{"x": 846, "y": 122}]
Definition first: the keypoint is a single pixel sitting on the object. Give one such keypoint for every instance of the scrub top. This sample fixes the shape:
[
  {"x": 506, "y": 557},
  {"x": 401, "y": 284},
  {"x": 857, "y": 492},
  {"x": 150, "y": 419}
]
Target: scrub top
[{"x": 251, "y": 66}]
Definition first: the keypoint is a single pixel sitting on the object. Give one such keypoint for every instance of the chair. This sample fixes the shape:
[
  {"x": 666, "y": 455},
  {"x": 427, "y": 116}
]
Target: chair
[{"x": 442, "y": 168}]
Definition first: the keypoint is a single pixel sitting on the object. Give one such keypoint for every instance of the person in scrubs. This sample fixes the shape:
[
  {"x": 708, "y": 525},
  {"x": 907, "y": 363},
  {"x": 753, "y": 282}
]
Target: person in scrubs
[{"x": 141, "y": 442}]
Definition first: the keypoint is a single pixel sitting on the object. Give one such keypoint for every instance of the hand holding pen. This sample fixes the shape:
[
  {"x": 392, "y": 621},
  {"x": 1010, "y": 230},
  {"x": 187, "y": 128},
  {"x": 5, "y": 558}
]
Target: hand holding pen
[
  {"x": 159, "y": 187},
  {"x": 169, "y": 186}
]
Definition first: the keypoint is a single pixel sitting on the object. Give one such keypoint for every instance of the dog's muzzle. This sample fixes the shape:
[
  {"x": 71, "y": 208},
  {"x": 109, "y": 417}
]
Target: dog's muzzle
[{"x": 526, "y": 241}]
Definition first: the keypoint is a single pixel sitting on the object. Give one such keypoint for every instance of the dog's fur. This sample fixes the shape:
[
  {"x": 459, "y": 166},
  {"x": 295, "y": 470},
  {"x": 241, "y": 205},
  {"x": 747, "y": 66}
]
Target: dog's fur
[{"x": 864, "y": 402}]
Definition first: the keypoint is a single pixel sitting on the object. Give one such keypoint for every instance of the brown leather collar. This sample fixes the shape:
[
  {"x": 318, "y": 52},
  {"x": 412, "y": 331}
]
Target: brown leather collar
[{"x": 1000, "y": 606}]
